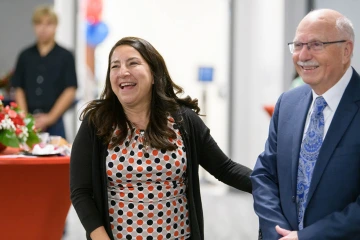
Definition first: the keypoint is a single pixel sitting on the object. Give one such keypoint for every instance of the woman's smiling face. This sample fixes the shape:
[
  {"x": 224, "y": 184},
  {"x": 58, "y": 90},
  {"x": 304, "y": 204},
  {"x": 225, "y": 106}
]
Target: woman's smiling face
[{"x": 130, "y": 77}]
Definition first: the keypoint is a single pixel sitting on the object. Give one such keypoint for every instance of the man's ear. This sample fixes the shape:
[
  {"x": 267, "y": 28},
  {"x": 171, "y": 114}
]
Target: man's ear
[{"x": 348, "y": 51}]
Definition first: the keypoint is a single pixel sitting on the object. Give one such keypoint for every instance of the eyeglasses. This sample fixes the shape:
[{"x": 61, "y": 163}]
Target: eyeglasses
[{"x": 314, "y": 46}]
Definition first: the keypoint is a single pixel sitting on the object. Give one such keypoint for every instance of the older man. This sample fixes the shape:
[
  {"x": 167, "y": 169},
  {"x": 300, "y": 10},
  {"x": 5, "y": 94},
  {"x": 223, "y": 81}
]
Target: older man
[{"x": 306, "y": 184}]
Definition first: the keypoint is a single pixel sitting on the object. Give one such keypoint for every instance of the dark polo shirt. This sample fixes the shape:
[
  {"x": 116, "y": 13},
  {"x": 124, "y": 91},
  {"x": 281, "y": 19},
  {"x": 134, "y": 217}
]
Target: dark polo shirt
[{"x": 44, "y": 78}]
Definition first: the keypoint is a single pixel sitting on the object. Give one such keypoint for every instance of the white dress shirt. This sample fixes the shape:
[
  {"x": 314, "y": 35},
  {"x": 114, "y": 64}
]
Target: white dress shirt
[{"x": 332, "y": 97}]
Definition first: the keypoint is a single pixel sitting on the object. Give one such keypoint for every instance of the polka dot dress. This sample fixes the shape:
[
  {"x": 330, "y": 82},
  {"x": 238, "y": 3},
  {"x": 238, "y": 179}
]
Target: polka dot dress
[{"x": 147, "y": 190}]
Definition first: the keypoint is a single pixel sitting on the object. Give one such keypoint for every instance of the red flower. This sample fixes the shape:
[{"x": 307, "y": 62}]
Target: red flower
[
  {"x": 18, "y": 131},
  {"x": 12, "y": 113},
  {"x": 13, "y": 104},
  {"x": 1, "y": 97},
  {"x": 18, "y": 121}
]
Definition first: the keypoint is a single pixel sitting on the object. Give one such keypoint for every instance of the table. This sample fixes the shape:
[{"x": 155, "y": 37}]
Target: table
[{"x": 34, "y": 196}]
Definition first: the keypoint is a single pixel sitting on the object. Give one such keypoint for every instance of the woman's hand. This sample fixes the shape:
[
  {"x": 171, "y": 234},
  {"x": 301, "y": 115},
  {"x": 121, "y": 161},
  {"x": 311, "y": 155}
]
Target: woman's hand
[{"x": 99, "y": 234}]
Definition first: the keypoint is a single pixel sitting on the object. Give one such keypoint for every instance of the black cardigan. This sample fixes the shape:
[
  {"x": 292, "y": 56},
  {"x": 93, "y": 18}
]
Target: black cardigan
[{"x": 88, "y": 181}]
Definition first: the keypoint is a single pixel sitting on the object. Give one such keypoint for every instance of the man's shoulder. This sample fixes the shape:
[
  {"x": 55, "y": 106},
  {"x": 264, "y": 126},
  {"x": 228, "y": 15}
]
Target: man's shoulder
[
  {"x": 291, "y": 98},
  {"x": 296, "y": 93}
]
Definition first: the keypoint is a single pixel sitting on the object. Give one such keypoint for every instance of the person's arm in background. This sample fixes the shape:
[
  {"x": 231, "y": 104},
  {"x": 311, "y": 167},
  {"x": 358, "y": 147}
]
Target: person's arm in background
[
  {"x": 43, "y": 120},
  {"x": 17, "y": 82},
  {"x": 20, "y": 99},
  {"x": 65, "y": 99},
  {"x": 265, "y": 185}
]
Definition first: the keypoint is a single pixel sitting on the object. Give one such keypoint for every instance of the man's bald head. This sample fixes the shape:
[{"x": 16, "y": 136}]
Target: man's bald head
[{"x": 332, "y": 20}]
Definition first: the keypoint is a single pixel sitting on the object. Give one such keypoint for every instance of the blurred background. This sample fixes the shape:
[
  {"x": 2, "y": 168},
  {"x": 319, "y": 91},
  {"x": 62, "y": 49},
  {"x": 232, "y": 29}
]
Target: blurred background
[{"x": 230, "y": 54}]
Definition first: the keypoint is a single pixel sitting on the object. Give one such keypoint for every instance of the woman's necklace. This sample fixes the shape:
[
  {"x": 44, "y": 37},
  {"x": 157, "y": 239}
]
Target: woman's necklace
[{"x": 142, "y": 138}]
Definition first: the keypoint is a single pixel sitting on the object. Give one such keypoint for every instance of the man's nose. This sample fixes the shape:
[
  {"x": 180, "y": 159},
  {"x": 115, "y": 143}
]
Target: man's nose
[{"x": 305, "y": 53}]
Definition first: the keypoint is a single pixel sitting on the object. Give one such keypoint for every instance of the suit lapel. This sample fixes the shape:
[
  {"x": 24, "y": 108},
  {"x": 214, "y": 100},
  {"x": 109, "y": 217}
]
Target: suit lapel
[
  {"x": 298, "y": 123},
  {"x": 343, "y": 116}
]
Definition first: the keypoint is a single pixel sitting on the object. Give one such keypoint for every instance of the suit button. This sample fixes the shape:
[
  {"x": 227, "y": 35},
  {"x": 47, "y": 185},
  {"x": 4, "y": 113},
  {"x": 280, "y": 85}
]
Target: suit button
[{"x": 293, "y": 198}]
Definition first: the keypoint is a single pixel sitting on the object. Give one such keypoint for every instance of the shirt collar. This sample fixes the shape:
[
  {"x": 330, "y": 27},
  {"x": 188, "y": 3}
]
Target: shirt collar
[{"x": 334, "y": 94}]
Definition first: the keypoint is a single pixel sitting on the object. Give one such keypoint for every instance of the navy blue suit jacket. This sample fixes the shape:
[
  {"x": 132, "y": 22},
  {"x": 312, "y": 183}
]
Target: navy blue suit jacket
[{"x": 333, "y": 210}]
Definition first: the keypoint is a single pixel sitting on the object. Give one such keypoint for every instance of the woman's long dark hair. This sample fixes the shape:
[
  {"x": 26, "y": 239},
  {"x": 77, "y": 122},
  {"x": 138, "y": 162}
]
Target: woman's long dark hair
[{"x": 107, "y": 112}]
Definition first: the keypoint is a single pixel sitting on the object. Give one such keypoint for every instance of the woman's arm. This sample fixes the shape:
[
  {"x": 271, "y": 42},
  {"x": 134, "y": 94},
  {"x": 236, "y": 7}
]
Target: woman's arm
[
  {"x": 213, "y": 159},
  {"x": 99, "y": 234},
  {"x": 81, "y": 179}
]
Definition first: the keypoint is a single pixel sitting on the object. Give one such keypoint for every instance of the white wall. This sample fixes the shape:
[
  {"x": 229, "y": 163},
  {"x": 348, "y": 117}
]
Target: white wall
[
  {"x": 188, "y": 34},
  {"x": 258, "y": 73}
]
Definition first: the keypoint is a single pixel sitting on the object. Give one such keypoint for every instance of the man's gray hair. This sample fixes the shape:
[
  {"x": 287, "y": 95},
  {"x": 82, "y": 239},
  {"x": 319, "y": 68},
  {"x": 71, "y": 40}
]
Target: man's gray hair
[{"x": 345, "y": 28}]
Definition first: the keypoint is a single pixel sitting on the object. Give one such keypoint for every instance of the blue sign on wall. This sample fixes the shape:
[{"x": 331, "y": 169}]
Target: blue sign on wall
[{"x": 206, "y": 74}]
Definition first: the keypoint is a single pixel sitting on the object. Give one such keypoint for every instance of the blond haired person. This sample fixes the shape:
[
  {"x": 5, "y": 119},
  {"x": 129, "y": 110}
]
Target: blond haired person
[{"x": 45, "y": 79}]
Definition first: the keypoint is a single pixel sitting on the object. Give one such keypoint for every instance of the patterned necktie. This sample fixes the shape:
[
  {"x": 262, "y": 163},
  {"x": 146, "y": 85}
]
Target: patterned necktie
[{"x": 309, "y": 152}]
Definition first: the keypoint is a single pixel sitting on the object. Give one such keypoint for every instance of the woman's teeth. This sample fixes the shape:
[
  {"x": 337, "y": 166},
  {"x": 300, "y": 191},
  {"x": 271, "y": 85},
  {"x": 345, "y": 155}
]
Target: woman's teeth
[{"x": 123, "y": 85}]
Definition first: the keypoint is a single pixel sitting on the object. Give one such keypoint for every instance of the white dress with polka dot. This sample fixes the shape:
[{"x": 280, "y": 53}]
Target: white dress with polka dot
[{"x": 147, "y": 189}]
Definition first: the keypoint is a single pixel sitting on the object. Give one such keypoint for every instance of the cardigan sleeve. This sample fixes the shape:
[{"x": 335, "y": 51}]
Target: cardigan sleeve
[
  {"x": 81, "y": 182},
  {"x": 213, "y": 159}
]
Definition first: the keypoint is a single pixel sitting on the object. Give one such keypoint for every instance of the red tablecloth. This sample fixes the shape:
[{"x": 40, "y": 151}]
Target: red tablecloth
[{"x": 34, "y": 197}]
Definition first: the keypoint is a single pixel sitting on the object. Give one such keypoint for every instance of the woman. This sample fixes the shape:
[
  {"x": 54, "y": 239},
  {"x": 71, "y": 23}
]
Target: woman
[{"x": 134, "y": 162}]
